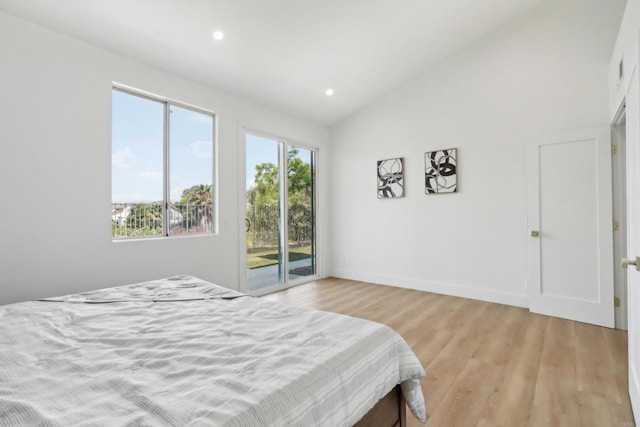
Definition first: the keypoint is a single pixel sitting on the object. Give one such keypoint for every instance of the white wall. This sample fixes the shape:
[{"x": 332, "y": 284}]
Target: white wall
[
  {"x": 545, "y": 73},
  {"x": 55, "y": 166},
  {"x": 627, "y": 49}
]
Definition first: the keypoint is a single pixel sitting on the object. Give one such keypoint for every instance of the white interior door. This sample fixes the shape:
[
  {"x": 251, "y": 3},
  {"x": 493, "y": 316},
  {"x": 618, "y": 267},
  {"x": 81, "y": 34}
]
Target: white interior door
[
  {"x": 633, "y": 239},
  {"x": 570, "y": 226}
]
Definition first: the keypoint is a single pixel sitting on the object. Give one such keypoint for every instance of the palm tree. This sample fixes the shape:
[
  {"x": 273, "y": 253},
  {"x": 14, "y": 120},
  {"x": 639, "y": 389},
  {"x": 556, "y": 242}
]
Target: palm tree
[{"x": 201, "y": 198}]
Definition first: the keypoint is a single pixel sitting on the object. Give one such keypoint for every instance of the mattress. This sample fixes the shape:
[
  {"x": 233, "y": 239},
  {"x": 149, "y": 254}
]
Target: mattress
[{"x": 185, "y": 352}]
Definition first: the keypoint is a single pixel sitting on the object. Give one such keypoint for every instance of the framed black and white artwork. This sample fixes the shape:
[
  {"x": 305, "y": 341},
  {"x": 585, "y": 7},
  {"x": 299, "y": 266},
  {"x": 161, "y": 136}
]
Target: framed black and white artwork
[
  {"x": 391, "y": 178},
  {"x": 440, "y": 175}
]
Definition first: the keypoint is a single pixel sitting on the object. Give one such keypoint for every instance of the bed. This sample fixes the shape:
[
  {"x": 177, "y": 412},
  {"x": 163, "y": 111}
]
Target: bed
[{"x": 185, "y": 352}]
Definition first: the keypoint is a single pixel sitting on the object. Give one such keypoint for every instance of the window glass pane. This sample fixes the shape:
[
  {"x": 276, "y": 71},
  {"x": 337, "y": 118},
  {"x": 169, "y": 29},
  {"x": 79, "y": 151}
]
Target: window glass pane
[
  {"x": 190, "y": 171},
  {"x": 263, "y": 222},
  {"x": 136, "y": 166},
  {"x": 301, "y": 214}
]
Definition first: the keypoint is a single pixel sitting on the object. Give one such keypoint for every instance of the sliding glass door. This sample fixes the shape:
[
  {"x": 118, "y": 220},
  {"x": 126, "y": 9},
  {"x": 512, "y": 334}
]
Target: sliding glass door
[
  {"x": 301, "y": 218},
  {"x": 280, "y": 213}
]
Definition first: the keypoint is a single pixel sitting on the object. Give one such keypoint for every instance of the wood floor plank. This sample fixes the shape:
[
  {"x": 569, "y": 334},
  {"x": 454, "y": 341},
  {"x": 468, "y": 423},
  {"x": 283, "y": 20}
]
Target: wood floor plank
[
  {"x": 473, "y": 332},
  {"x": 503, "y": 340},
  {"x": 595, "y": 366},
  {"x": 555, "y": 400},
  {"x": 466, "y": 399},
  {"x": 510, "y": 403},
  {"x": 488, "y": 364},
  {"x": 381, "y": 311},
  {"x": 596, "y": 410},
  {"x": 344, "y": 299},
  {"x": 440, "y": 377}
]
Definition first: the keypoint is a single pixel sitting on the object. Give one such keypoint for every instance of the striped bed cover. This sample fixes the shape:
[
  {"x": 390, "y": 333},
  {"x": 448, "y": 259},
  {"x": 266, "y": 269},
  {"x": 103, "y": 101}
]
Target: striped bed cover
[{"x": 185, "y": 352}]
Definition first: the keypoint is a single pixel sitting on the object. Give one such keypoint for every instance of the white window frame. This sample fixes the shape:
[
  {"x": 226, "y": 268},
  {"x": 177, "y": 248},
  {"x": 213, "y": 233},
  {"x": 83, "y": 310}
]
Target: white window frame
[{"x": 166, "y": 218}]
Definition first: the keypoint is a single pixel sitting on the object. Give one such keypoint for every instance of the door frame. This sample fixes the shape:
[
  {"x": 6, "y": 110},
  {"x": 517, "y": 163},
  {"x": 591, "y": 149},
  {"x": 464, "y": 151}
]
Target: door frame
[
  {"x": 242, "y": 210},
  {"x": 619, "y": 180}
]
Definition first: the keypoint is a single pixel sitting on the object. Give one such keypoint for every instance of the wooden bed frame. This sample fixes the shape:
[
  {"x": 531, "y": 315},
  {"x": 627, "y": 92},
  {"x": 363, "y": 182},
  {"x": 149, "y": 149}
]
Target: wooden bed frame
[{"x": 390, "y": 411}]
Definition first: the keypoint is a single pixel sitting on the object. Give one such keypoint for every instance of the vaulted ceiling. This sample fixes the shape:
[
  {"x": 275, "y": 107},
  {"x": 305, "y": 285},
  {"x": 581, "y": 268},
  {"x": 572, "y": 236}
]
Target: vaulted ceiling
[{"x": 282, "y": 53}]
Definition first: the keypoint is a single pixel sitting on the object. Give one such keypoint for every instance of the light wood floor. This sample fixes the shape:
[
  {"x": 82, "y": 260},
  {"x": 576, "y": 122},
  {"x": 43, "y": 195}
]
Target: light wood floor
[{"x": 490, "y": 364}]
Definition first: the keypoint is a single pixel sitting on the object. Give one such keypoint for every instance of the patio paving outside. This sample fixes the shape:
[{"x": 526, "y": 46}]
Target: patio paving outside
[{"x": 265, "y": 277}]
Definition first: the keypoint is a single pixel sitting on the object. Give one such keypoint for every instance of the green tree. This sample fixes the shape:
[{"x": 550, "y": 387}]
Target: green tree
[
  {"x": 265, "y": 188},
  {"x": 263, "y": 197},
  {"x": 299, "y": 198},
  {"x": 199, "y": 199},
  {"x": 198, "y": 195},
  {"x": 145, "y": 219}
]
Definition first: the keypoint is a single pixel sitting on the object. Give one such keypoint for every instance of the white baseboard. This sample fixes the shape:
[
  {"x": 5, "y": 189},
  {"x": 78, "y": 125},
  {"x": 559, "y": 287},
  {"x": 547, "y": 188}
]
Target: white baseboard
[{"x": 490, "y": 295}]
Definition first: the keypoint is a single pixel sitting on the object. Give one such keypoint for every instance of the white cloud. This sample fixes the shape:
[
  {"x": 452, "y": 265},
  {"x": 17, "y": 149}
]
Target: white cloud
[
  {"x": 201, "y": 149},
  {"x": 126, "y": 197},
  {"x": 151, "y": 176},
  {"x": 176, "y": 194},
  {"x": 123, "y": 158}
]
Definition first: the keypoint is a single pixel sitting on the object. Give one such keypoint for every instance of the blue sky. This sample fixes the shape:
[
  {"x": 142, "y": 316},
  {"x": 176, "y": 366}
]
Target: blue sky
[
  {"x": 137, "y": 157},
  {"x": 259, "y": 150},
  {"x": 265, "y": 150}
]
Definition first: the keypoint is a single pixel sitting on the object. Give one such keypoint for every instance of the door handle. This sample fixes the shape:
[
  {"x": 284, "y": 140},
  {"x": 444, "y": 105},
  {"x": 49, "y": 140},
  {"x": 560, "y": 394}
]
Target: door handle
[
  {"x": 627, "y": 262},
  {"x": 535, "y": 233}
]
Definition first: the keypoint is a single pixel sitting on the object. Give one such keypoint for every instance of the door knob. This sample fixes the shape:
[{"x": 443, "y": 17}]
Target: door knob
[
  {"x": 535, "y": 233},
  {"x": 627, "y": 262}
]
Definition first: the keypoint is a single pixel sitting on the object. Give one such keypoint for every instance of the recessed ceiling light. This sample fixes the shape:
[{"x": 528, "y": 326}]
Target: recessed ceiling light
[
  {"x": 329, "y": 92},
  {"x": 218, "y": 35}
]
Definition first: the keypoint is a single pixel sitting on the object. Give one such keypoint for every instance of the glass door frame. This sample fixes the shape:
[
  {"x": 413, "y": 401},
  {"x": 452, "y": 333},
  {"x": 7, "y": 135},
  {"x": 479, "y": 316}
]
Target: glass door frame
[{"x": 283, "y": 151}]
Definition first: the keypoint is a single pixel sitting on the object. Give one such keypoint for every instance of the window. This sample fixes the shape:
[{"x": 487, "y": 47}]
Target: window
[{"x": 162, "y": 163}]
